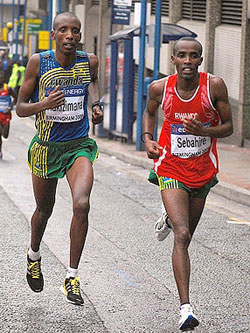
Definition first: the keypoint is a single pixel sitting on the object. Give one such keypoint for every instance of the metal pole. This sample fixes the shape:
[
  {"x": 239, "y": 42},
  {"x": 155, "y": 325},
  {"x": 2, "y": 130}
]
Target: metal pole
[
  {"x": 24, "y": 25},
  {"x": 59, "y": 6},
  {"x": 18, "y": 19},
  {"x": 13, "y": 26},
  {"x": 54, "y": 12},
  {"x": 157, "y": 51},
  {"x": 157, "y": 38},
  {"x": 113, "y": 85},
  {"x": 111, "y": 19},
  {"x": 139, "y": 145},
  {"x": 50, "y": 22},
  {"x": 2, "y": 9}
]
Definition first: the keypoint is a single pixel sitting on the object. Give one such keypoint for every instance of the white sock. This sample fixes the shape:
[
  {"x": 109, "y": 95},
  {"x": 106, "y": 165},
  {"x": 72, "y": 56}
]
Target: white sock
[
  {"x": 34, "y": 255},
  {"x": 71, "y": 272},
  {"x": 163, "y": 210},
  {"x": 186, "y": 307}
]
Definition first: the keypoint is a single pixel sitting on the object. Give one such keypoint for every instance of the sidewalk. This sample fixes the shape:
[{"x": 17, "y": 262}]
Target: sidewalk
[{"x": 234, "y": 166}]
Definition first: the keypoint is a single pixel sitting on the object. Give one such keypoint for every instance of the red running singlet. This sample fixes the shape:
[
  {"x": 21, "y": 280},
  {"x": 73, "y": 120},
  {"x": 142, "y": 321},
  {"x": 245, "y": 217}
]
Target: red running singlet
[{"x": 186, "y": 157}]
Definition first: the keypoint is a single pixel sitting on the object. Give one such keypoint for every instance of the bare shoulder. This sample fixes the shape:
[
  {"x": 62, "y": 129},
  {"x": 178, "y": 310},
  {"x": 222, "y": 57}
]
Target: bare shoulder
[
  {"x": 93, "y": 60},
  {"x": 218, "y": 88},
  {"x": 33, "y": 64},
  {"x": 34, "y": 59},
  {"x": 216, "y": 81},
  {"x": 156, "y": 88}
]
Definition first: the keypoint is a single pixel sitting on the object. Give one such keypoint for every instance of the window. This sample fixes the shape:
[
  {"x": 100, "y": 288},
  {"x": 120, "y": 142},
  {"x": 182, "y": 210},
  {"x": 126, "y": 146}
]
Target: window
[
  {"x": 133, "y": 5},
  {"x": 231, "y": 12},
  {"x": 194, "y": 10},
  {"x": 164, "y": 7}
]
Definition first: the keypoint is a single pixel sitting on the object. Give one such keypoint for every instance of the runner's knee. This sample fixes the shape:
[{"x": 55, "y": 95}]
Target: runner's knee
[
  {"x": 81, "y": 208},
  {"x": 44, "y": 213},
  {"x": 182, "y": 236}
]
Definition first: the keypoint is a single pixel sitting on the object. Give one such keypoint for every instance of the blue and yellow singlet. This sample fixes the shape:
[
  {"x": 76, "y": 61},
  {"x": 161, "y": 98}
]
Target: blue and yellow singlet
[{"x": 69, "y": 121}]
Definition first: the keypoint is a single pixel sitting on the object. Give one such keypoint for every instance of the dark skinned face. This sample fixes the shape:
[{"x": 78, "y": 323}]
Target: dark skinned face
[
  {"x": 67, "y": 34},
  {"x": 187, "y": 59}
]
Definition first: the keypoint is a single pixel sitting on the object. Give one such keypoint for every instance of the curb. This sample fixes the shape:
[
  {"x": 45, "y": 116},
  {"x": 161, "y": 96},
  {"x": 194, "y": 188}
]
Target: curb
[
  {"x": 232, "y": 192},
  {"x": 228, "y": 191},
  {"x": 129, "y": 158}
]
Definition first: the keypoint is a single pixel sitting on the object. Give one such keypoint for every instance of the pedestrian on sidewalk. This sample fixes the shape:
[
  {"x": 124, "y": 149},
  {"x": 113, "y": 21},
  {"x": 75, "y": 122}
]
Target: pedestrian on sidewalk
[
  {"x": 14, "y": 75},
  {"x": 20, "y": 77},
  {"x": 7, "y": 66},
  {"x": 196, "y": 112},
  {"x": 58, "y": 83},
  {"x": 7, "y": 101}
]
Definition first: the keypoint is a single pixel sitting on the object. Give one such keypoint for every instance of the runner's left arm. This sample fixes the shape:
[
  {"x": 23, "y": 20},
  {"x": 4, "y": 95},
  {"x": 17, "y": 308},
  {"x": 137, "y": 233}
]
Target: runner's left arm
[{"x": 97, "y": 112}]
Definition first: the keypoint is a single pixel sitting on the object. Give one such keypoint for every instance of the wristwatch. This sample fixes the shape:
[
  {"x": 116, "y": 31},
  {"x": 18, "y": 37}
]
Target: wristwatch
[{"x": 99, "y": 104}]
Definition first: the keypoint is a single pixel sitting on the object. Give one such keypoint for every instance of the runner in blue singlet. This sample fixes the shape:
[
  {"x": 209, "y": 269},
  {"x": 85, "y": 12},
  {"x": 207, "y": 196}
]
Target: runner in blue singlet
[{"x": 58, "y": 83}]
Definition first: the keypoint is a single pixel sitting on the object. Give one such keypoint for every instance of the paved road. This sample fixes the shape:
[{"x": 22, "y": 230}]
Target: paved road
[{"x": 126, "y": 274}]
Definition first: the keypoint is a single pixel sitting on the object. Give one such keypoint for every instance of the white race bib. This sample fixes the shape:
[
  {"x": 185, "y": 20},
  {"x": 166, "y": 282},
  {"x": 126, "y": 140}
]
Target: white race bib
[
  {"x": 185, "y": 145},
  {"x": 72, "y": 110}
]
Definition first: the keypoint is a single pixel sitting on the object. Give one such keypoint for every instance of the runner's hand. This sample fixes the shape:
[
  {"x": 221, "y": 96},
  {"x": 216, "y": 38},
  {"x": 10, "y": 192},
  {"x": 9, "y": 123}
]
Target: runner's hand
[
  {"x": 194, "y": 125},
  {"x": 152, "y": 148},
  {"x": 97, "y": 115},
  {"x": 55, "y": 98}
]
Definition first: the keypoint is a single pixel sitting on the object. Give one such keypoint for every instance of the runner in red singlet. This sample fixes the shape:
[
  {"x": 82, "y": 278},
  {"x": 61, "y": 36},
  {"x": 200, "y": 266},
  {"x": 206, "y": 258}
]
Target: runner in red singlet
[
  {"x": 7, "y": 101},
  {"x": 196, "y": 112}
]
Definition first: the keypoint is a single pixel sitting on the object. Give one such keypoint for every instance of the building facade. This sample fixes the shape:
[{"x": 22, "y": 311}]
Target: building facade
[{"x": 222, "y": 26}]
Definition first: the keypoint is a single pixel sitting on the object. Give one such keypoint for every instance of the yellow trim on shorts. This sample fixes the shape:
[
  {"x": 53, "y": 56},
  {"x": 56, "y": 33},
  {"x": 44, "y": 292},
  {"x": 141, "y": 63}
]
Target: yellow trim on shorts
[
  {"x": 39, "y": 155},
  {"x": 166, "y": 183}
]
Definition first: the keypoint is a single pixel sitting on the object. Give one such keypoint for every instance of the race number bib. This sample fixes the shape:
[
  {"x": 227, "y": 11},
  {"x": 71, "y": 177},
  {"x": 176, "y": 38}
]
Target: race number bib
[
  {"x": 72, "y": 110},
  {"x": 4, "y": 104},
  {"x": 185, "y": 145}
]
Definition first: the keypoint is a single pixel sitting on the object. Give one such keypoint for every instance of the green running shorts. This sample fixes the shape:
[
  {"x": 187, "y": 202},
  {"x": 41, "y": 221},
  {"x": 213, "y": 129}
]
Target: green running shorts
[
  {"x": 54, "y": 159},
  {"x": 165, "y": 183}
]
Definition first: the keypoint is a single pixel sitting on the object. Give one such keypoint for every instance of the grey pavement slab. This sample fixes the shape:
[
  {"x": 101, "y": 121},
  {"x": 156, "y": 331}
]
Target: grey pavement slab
[
  {"x": 126, "y": 274},
  {"x": 234, "y": 171},
  {"x": 22, "y": 310}
]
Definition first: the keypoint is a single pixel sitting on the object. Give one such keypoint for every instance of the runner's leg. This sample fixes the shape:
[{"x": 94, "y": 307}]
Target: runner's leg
[
  {"x": 44, "y": 191},
  {"x": 176, "y": 202},
  {"x": 80, "y": 178},
  {"x": 184, "y": 215},
  {"x": 6, "y": 130},
  {"x": 196, "y": 207}
]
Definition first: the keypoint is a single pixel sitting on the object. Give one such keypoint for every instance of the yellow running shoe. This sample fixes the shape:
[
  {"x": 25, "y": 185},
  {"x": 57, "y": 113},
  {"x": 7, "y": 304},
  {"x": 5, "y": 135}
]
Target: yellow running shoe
[
  {"x": 34, "y": 274},
  {"x": 71, "y": 288}
]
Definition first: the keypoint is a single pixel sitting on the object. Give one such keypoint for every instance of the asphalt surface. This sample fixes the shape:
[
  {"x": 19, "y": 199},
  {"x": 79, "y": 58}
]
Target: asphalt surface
[
  {"x": 126, "y": 275},
  {"x": 22, "y": 310}
]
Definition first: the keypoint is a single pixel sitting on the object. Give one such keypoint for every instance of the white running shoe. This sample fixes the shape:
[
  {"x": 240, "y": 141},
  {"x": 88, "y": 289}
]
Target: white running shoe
[
  {"x": 188, "y": 321},
  {"x": 162, "y": 227}
]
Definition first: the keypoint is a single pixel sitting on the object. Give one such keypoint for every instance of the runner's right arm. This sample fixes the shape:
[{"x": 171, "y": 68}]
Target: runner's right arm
[
  {"x": 155, "y": 96},
  {"x": 23, "y": 107}
]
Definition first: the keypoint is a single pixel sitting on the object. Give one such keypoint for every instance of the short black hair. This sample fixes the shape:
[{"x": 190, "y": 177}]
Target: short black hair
[
  {"x": 190, "y": 39},
  {"x": 70, "y": 14}
]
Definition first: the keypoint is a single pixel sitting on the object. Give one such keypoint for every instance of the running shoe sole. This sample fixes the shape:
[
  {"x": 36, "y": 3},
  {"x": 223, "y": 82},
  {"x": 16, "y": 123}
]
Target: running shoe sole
[
  {"x": 164, "y": 230},
  {"x": 189, "y": 324}
]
